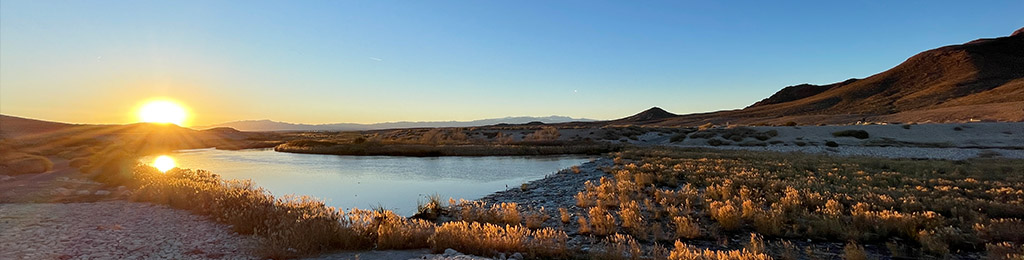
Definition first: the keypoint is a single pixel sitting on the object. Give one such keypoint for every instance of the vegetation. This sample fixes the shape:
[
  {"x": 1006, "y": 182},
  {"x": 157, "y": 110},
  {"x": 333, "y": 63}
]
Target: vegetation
[
  {"x": 926, "y": 207},
  {"x": 656, "y": 204}
]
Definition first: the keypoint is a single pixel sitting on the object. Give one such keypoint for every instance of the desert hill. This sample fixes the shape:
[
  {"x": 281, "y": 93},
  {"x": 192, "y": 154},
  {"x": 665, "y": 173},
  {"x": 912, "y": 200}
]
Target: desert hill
[{"x": 978, "y": 80}]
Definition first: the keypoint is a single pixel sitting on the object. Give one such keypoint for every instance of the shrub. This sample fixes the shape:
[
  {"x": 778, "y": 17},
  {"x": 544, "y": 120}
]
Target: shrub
[
  {"x": 603, "y": 223},
  {"x": 489, "y": 239},
  {"x": 500, "y": 213},
  {"x": 859, "y": 134},
  {"x": 686, "y": 252},
  {"x": 726, "y": 215},
  {"x": 546, "y": 133},
  {"x": 756, "y": 243},
  {"x": 1004, "y": 251},
  {"x": 686, "y": 228},
  {"x": 852, "y": 251},
  {"x": 535, "y": 219},
  {"x": 564, "y": 214}
]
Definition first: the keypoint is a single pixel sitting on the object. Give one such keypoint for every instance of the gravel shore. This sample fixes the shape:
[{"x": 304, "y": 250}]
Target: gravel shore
[
  {"x": 886, "y": 152},
  {"x": 114, "y": 230}
]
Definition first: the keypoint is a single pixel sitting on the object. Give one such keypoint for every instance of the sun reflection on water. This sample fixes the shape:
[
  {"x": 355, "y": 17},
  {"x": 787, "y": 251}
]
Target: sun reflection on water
[{"x": 164, "y": 163}]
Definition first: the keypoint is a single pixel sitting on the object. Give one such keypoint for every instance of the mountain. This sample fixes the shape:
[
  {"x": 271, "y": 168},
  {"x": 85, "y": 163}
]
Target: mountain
[
  {"x": 268, "y": 125},
  {"x": 652, "y": 115},
  {"x": 978, "y": 80}
]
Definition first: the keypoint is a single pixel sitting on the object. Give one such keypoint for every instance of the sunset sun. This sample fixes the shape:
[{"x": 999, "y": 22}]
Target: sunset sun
[{"x": 162, "y": 111}]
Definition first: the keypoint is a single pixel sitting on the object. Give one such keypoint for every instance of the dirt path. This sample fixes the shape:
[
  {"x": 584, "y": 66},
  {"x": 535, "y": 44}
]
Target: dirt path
[{"x": 114, "y": 230}]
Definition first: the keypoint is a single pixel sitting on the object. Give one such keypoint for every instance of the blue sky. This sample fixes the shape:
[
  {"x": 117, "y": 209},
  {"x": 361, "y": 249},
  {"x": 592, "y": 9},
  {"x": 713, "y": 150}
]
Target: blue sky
[{"x": 376, "y": 61}]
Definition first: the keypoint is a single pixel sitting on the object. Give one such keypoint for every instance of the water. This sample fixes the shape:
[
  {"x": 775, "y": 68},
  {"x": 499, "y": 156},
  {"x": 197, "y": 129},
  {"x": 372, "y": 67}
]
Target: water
[{"x": 396, "y": 183}]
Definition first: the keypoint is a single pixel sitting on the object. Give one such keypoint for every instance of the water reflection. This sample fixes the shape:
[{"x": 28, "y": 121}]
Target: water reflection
[{"x": 395, "y": 183}]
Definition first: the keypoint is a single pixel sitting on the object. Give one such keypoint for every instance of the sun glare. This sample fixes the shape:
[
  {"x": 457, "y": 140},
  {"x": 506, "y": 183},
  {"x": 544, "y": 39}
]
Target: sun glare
[
  {"x": 164, "y": 163},
  {"x": 162, "y": 111}
]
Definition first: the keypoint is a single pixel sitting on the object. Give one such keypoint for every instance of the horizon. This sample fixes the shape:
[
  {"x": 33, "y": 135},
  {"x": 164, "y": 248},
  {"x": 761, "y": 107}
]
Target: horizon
[{"x": 379, "y": 62}]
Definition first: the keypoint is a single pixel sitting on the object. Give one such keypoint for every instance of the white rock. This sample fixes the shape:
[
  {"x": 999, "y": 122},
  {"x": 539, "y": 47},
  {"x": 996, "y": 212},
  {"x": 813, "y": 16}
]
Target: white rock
[
  {"x": 450, "y": 252},
  {"x": 5, "y": 177},
  {"x": 82, "y": 192},
  {"x": 62, "y": 191},
  {"x": 102, "y": 193}
]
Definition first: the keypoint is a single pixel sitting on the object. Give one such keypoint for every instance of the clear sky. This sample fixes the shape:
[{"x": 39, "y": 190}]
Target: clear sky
[{"x": 376, "y": 61}]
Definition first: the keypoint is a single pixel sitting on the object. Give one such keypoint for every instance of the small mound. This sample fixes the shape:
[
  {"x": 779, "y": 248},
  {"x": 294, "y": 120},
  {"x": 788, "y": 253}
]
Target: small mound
[{"x": 652, "y": 114}]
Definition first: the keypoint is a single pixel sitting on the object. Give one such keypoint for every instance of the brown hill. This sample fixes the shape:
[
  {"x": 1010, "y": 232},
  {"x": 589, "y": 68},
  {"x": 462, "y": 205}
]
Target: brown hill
[
  {"x": 982, "y": 79},
  {"x": 651, "y": 115},
  {"x": 13, "y": 127}
]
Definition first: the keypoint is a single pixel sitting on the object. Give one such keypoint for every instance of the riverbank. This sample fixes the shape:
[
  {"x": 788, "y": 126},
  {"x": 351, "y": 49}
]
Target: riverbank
[
  {"x": 424, "y": 150},
  {"x": 712, "y": 198}
]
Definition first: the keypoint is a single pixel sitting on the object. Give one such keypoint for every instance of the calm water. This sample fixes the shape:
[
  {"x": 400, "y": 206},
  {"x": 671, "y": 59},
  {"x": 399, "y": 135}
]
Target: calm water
[{"x": 396, "y": 183}]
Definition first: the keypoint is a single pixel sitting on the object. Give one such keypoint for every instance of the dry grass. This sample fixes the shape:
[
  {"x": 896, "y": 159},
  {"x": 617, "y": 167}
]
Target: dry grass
[
  {"x": 476, "y": 211},
  {"x": 939, "y": 206},
  {"x": 687, "y": 252},
  {"x": 489, "y": 239}
]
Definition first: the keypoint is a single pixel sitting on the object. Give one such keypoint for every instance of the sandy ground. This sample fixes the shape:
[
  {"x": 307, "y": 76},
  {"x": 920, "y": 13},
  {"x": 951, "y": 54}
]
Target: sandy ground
[
  {"x": 930, "y": 141},
  {"x": 114, "y": 230}
]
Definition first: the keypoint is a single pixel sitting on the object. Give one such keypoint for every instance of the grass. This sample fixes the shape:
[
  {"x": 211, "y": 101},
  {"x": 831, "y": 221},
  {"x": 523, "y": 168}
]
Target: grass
[{"x": 939, "y": 207}]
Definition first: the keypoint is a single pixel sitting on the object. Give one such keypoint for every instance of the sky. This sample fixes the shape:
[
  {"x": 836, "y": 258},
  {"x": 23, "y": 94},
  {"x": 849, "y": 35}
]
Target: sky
[{"x": 382, "y": 61}]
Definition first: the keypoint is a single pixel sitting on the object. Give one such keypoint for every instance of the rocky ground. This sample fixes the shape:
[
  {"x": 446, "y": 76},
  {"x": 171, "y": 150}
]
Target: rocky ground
[{"x": 114, "y": 230}]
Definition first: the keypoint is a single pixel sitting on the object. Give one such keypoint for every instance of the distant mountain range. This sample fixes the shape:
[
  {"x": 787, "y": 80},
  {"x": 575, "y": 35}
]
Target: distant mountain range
[{"x": 268, "y": 125}]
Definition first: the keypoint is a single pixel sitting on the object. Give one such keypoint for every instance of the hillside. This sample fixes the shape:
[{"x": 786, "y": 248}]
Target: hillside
[
  {"x": 14, "y": 127},
  {"x": 979, "y": 80}
]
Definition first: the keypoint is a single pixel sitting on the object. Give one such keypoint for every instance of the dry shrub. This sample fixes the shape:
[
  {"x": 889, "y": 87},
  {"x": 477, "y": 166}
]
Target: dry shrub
[
  {"x": 489, "y": 239},
  {"x": 686, "y": 228},
  {"x": 934, "y": 241},
  {"x": 756, "y": 243},
  {"x": 546, "y": 133},
  {"x": 1002, "y": 229},
  {"x": 287, "y": 227},
  {"x": 619, "y": 246},
  {"x": 536, "y": 218},
  {"x": 1004, "y": 251},
  {"x": 584, "y": 225},
  {"x": 853, "y": 251},
  {"x": 726, "y": 215},
  {"x": 633, "y": 220},
  {"x": 564, "y": 214},
  {"x": 687, "y": 252},
  {"x": 396, "y": 232},
  {"x": 603, "y": 223},
  {"x": 501, "y": 213}
]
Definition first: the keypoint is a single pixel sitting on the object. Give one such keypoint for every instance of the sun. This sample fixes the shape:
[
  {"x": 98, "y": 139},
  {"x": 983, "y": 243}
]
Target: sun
[
  {"x": 164, "y": 163},
  {"x": 163, "y": 111}
]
